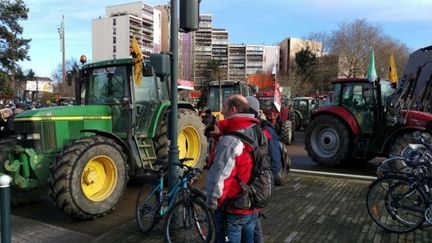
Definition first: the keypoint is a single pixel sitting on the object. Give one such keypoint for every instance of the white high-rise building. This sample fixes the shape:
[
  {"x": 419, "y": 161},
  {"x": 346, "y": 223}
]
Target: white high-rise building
[{"x": 112, "y": 35}]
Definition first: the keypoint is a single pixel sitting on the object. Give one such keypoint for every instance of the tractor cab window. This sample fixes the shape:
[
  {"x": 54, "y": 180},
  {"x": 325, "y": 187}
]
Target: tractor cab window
[
  {"x": 106, "y": 85},
  {"x": 387, "y": 90},
  {"x": 147, "y": 90},
  {"x": 359, "y": 100},
  {"x": 245, "y": 89},
  {"x": 213, "y": 99},
  {"x": 148, "y": 95},
  {"x": 266, "y": 103}
]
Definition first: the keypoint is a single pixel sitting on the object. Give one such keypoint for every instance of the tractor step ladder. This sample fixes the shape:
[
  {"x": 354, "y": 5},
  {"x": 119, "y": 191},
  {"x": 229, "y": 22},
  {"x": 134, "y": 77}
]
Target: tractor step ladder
[
  {"x": 146, "y": 151},
  {"x": 361, "y": 148}
]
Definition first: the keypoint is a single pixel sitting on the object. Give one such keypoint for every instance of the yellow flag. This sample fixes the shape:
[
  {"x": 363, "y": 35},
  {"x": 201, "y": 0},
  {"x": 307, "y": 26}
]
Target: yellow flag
[
  {"x": 392, "y": 72},
  {"x": 138, "y": 59}
]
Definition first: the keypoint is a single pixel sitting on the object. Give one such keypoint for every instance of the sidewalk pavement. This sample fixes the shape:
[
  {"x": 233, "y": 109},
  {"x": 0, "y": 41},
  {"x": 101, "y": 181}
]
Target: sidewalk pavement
[{"x": 310, "y": 208}]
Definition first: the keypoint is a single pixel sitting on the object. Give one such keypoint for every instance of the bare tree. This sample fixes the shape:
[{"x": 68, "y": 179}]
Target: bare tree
[
  {"x": 353, "y": 43},
  {"x": 322, "y": 37},
  {"x": 62, "y": 87}
]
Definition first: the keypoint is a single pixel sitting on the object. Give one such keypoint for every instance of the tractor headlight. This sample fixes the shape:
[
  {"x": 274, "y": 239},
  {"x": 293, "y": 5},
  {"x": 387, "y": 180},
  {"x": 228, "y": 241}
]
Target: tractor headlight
[{"x": 33, "y": 136}]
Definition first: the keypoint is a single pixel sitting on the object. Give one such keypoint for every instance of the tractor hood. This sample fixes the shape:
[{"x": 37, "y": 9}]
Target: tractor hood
[
  {"x": 417, "y": 118},
  {"x": 67, "y": 113}
]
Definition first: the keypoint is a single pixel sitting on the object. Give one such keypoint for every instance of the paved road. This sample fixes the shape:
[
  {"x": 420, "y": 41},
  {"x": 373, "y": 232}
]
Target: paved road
[
  {"x": 45, "y": 211},
  {"x": 302, "y": 161},
  {"x": 308, "y": 209}
]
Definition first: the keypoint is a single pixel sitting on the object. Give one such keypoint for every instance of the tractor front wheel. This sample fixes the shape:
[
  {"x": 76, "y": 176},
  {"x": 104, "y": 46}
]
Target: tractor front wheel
[
  {"x": 287, "y": 132},
  {"x": 327, "y": 141},
  {"x": 298, "y": 122},
  {"x": 89, "y": 177},
  {"x": 191, "y": 140}
]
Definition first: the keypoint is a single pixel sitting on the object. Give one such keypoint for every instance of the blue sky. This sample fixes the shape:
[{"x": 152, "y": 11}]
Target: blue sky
[{"x": 248, "y": 21}]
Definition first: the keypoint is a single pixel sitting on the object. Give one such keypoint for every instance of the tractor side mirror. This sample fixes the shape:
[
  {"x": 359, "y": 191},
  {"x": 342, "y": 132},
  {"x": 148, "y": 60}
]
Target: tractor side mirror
[
  {"x": 161, "y": 64},
  {"x": 147, "y": 69}
]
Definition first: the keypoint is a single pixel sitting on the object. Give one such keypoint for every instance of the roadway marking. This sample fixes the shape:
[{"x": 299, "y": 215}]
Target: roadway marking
[{"x": 348, "y": 176}]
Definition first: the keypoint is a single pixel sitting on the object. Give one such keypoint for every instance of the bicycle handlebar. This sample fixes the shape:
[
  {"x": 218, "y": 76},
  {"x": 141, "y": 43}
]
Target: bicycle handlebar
[{"x": 164, "y": 165}]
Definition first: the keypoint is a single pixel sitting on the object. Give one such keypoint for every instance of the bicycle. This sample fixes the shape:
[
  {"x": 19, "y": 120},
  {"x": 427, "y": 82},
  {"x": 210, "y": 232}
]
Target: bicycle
[
  {"x": 400, "y": 200},
  {"x": 187, "y": 217}
]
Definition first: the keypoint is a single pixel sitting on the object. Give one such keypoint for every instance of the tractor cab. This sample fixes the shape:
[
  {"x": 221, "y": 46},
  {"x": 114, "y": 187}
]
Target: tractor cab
[
  {"x": 221, "y": 90},
  {"x": 364, "y": 100},
  {"x": 112, "y": 85}
]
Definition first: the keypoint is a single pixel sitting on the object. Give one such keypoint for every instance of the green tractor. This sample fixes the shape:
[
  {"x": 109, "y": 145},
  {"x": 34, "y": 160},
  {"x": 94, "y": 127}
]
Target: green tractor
[{"x": 83, "y": 155}]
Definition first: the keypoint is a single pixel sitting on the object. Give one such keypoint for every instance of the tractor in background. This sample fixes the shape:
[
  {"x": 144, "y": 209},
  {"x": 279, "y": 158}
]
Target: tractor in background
[
  {"x": 304, "y": 106},
  {"x": 218, "y": 91},
  {"x": 282, "y": 118}
]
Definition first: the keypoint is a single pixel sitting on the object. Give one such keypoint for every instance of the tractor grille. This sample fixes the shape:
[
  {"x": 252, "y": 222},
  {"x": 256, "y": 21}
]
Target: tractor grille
[
  {"x": 75, "y": 128},
  {"x": 48, "y": 135},
  {"x": 46, "y": 130},
  {"x": 24, "y": 127}
]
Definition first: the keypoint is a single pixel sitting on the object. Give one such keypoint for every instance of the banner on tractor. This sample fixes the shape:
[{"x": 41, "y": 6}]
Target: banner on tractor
[{"x": 277, "y": 97}]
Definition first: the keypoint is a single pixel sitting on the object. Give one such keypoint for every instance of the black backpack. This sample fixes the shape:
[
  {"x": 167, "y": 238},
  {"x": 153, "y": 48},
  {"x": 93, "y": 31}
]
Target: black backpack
[{"x": 258, "y": 190}]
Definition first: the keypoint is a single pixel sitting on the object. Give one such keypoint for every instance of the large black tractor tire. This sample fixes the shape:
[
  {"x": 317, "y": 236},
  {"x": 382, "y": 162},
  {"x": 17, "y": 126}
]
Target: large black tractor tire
[
  {"x": 297, "y": 122},
  {"x": 400, "y": 147},
  {"x": 292, "y": 118},
  {"x": 286, "y": 133},
  {"x": 327, "y": 141},
  {"x": 89, "y": 177},
  {"x": 191, "y": 140}
]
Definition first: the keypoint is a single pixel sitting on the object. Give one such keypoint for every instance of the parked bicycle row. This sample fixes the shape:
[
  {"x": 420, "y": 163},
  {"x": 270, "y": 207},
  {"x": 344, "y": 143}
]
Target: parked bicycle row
[{"x": 400, "y": 199}]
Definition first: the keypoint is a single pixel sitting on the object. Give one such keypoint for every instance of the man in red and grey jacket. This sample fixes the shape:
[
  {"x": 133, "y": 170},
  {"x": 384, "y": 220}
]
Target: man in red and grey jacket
[{"x": 232, "y": 160}]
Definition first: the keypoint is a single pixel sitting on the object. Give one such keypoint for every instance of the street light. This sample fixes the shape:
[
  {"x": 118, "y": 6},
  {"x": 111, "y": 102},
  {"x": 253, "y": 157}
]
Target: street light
[{"x": 189, "y": 18}]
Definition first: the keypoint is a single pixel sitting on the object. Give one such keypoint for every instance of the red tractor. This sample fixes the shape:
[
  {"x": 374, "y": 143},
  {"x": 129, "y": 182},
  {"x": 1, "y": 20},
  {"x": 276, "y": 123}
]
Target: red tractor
[
  {"x": 359, "y": 126},
  {"x": 282, "y": 120},
  {"x": 366, "y": 119}
]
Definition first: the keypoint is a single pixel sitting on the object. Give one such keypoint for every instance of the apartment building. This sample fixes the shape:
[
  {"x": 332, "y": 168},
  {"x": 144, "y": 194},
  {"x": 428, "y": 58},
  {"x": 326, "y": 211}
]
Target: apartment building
[
  {"x": 237, "y": 62},
  {"x": 220, "y": 51},
  {"x": 245, "y": 60},
  {"x": 254, "y": 59},
  {"x": 288, "y": 49},
  {"x": 111, "y": 35},
  {"x": 202, "y": 49}
]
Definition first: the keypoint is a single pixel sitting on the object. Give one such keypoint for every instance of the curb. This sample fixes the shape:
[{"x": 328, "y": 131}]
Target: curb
[{"x": 337, "y": 175}]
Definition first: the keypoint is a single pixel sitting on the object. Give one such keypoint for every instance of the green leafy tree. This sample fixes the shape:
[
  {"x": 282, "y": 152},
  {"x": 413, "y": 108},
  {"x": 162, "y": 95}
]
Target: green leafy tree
[
  {"x": 6, "y": 90},
  {"x": 31, "y": 74},
  {"x": 213, "y": 67},
  {"x": 306, "y": 61},
  {"x": 13, "y": 47}
]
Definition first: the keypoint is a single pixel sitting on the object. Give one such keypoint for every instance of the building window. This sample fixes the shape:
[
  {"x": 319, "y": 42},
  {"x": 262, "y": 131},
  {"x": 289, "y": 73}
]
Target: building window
[
  {"x": 114, "y": 30},
  {"x": 114, "y": 56},
  {"x": 114, "y": 49},
  {"x": 114, "y": 40},
  {"x": 114, "y": 22}
]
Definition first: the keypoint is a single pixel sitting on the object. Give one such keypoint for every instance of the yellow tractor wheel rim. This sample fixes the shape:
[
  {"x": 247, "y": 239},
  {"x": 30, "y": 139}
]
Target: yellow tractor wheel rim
[
  {"x": 99, "y": 178},
  {"x": 189, "y": 145}
]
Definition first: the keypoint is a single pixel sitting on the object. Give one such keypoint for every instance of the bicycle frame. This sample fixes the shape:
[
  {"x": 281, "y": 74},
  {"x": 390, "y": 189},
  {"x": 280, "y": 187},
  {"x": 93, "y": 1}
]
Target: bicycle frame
[{"x": 171, "y": 195}]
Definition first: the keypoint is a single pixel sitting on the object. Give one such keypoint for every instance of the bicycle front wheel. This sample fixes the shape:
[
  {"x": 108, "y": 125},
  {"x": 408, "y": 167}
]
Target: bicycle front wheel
[
  {"x": 188, "y": 221},
  {"x": 147, "y": 208},
  {"x": 396, "y": 204}
]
